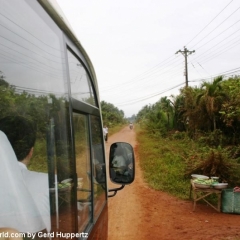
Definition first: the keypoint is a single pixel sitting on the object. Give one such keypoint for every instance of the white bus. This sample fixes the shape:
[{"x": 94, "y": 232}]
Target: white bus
[{"x": 52, "y": 156}]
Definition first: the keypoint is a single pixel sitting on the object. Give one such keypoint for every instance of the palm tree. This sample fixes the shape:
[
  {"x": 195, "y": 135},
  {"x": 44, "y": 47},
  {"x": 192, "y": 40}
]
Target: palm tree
[
  {"x": 178, "y": 111},
  {"x": 213, "y": 97},
  {"x": 167, "y": 107}
]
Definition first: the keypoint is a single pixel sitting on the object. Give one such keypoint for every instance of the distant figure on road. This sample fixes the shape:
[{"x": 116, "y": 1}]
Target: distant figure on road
[
  {"x": 105, "y": 133},
  {"x": 131, "y": 126}
]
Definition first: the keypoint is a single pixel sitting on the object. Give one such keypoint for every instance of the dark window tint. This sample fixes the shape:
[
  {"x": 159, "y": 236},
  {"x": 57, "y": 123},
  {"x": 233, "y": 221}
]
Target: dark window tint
[
  {"x": 83, "y": 167},
  {"x": 99, "y": 173}
]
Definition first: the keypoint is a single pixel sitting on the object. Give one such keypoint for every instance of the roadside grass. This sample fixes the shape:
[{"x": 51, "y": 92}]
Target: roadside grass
[{"x": 163, "y": 164}]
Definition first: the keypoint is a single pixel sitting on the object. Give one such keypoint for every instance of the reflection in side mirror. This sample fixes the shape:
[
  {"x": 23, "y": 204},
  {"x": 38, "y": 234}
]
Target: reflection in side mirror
[{"x": 121, "y": 163}]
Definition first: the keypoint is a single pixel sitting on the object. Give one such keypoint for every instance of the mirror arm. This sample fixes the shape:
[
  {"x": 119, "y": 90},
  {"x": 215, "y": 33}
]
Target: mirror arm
[
  {"x": 113, "y": 194},
  {"x": 115, "y": 190}
]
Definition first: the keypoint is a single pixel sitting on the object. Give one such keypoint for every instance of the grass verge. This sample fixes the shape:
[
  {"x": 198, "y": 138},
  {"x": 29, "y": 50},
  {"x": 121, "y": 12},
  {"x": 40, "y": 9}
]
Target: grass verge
[{"x": 163, "y": 165}]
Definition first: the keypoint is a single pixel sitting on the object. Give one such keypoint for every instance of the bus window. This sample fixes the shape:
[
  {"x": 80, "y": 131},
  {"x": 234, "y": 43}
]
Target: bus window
[
  {"x": 61, "y": 172},
  {"x": 83, "y": 168},
  {"x": 81, "y": 87},
  {"x": 99, "y": 168}
]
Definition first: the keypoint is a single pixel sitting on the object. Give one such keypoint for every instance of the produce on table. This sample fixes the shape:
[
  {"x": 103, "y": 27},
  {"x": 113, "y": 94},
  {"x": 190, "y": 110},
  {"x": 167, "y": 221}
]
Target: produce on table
[
  {"x": 205, "y": 181},
  {"x": 64, "y": 185}
]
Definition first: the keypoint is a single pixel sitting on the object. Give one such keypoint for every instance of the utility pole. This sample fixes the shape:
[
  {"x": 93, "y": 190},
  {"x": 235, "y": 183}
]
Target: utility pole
[{"x": 185, "y": 53}]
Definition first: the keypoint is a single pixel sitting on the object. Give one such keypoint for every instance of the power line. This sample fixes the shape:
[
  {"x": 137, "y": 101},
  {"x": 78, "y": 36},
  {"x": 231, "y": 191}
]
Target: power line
[
  {"x": 137, "y": 80},
  {"x": 218, "y": 34},
  {"x": 142, "y": 76},
  {"x": 148, "y": 97},
  {"x": 28, "y": 49},
  {"x": 229, "y": 72},
  {"x": 42, "y": 49},
  {"x": 218, "y": 74},
  {"x": 217, "y": 26},
  {"x": 209, "y": 50},
  {"x": 211, "y": 21},
  {"x": 135, "y": 88},
  {"x": 36, "y": 61},
  {"x": 10, "y": 20},
  {"x": 43, "y": 72},
  {"x": 223, "y": 51}
]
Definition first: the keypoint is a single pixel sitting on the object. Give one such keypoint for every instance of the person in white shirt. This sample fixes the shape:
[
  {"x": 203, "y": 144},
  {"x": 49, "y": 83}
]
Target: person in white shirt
[{"x": 24, "y": 204}]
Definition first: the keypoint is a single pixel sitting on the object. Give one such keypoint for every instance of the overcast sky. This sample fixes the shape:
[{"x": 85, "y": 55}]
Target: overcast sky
[{"x": 132, "y": 45}]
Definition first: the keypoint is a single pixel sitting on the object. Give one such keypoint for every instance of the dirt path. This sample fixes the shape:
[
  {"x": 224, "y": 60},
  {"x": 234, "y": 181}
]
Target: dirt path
[{"x": 139, "y": 213}]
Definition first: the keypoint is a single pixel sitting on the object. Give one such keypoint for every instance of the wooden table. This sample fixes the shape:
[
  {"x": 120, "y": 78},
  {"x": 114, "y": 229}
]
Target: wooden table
[{"x": 202, "y": 193}]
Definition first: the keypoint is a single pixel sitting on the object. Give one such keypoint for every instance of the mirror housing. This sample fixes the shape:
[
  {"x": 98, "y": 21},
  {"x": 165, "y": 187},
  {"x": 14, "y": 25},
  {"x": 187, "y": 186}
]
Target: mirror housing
[{"x": 121, "y": 163}]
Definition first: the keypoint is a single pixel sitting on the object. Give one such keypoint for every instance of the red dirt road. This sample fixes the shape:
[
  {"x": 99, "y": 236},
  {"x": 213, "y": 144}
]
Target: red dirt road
[{"x": 139, "y": 213}]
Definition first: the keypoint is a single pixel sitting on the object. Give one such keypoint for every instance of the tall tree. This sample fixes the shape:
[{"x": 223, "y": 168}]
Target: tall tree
[{"x": 212, "y": 97}]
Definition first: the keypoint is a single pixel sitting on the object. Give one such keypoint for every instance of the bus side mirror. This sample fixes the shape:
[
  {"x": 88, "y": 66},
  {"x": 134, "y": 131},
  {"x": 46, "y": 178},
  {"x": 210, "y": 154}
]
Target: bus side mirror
[{"x": 121, "y": 163}]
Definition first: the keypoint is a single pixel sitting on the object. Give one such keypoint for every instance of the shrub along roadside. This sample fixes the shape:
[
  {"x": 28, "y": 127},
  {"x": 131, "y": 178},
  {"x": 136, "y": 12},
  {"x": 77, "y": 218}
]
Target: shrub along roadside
[{"x": 168, "y": 162}]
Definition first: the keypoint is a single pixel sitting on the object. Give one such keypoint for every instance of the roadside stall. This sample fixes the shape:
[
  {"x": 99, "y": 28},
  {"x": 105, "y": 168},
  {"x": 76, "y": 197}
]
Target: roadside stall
[{"x": 202, "y": 187}]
